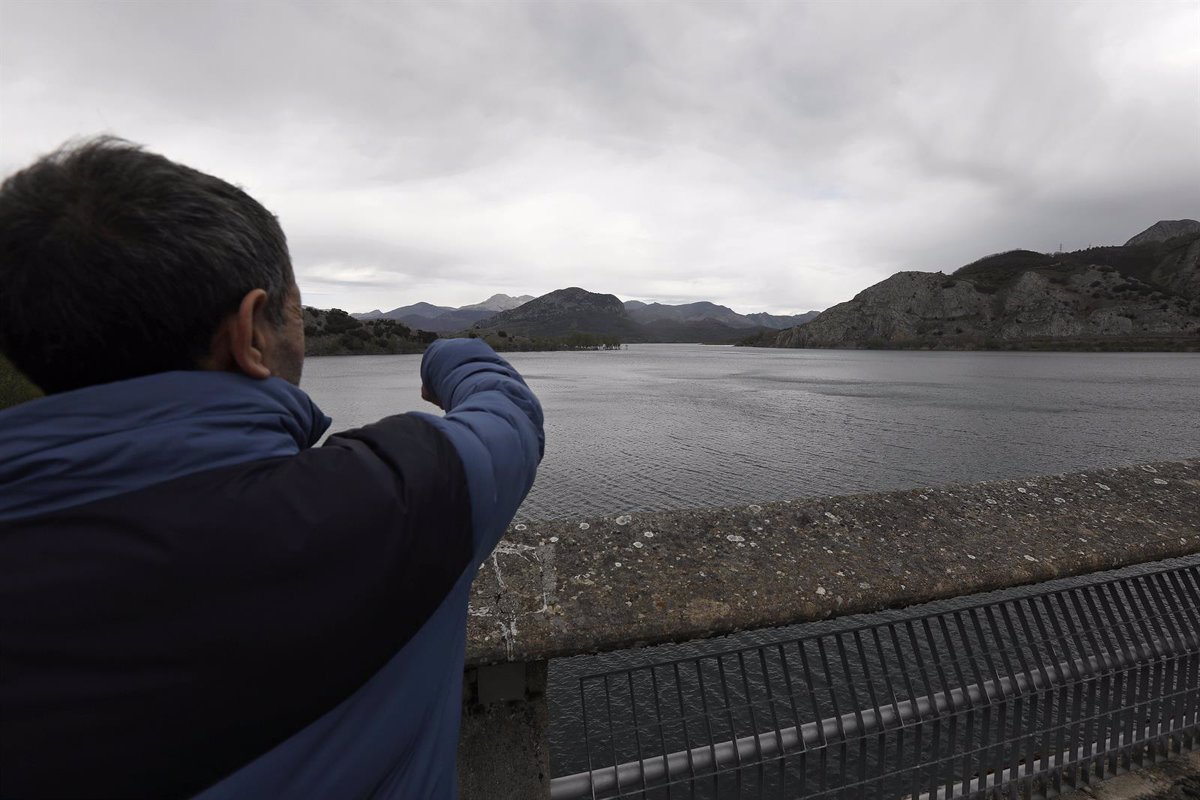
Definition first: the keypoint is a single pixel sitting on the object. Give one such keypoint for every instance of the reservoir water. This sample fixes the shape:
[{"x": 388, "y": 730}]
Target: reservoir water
[{"x": 658, "y": 427}]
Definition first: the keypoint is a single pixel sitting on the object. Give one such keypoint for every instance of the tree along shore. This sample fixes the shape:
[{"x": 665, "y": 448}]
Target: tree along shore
[
  {"x": 1079, "y": 344},
  {"x": 336, "y": 333}
]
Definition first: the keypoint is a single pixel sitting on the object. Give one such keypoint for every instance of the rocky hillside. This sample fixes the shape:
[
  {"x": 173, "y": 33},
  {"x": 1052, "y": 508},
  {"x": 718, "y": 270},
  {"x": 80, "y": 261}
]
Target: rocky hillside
[
  {"x": 1165, "y": 229},
  {"x": 1144, "y": 295}
]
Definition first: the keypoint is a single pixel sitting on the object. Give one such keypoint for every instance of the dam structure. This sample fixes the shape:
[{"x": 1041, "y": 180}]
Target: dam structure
[{"x": 1014, "y": 638}]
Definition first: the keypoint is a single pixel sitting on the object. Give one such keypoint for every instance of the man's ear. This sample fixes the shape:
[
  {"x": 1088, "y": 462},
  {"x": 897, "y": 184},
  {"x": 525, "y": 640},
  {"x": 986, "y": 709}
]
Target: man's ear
[
  {"x": 248, "y": 338},
  {"x": 241, "y": 339}
]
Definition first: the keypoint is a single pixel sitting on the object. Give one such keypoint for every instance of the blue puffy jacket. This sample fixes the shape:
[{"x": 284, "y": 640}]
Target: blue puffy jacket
[{"x": 196, "y": 600}]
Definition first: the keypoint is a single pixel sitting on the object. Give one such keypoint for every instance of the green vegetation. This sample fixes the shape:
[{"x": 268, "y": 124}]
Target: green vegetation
[
  {"x": 991, "y": 273},
  {"x": 1135, "y": 263},
  {"x": 14, "y": 386},
  {"x": 576, "y": 340},
  {"x": 336, "y": 333},
  {"x": 764, "y": 338},
  {"x": 1140, "y": 297}
]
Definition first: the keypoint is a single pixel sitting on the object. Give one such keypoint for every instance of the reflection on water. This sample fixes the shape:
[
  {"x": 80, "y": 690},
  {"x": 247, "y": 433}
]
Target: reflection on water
[{"x": 658, "y": 427}]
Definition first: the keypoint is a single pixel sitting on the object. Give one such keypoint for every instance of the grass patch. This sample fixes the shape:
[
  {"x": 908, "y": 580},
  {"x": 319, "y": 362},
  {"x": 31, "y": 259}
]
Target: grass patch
[{"x": 14, "y": 386}]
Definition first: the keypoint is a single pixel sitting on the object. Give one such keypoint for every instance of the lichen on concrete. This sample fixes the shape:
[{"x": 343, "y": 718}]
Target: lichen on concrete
[{"x": 603, "y": 583}]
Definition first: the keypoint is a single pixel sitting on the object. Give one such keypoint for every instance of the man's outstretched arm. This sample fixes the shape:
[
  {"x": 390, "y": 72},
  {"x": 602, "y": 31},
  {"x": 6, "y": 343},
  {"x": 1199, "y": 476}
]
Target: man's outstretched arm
[{"x": 494, "y": 422}]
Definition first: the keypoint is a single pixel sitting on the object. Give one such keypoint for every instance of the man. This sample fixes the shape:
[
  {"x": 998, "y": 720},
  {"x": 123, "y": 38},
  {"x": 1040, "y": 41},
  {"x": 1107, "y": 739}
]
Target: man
[{"x": 194, "y": 599}]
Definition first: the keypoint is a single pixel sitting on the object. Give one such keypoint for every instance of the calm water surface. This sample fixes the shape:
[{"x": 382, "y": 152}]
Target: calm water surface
[
  {"x": 673, "y": 426},
  {"x": 658, "y": 427}
]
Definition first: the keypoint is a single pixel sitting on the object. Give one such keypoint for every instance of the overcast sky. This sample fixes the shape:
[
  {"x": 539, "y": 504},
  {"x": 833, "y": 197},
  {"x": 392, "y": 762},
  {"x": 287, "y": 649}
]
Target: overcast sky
[{"x": 768, "y": 156}]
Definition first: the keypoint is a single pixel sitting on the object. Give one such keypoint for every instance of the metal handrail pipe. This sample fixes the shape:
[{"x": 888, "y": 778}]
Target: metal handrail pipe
[{"x": 729, "y": 754}]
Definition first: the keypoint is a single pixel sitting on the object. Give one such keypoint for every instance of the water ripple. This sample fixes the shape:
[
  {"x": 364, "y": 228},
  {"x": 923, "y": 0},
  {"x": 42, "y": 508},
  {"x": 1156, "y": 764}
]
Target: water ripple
[{"x": 660, "y": 427}]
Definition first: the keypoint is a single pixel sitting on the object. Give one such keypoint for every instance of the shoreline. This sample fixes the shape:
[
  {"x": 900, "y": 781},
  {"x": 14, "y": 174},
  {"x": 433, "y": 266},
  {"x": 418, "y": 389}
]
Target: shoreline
[{"x": 1139, "y": 344}]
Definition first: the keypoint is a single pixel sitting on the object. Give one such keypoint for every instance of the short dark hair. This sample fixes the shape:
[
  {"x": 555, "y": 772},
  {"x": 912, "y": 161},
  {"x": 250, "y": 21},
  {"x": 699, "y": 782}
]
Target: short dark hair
[{"x": 116, "y": 263}]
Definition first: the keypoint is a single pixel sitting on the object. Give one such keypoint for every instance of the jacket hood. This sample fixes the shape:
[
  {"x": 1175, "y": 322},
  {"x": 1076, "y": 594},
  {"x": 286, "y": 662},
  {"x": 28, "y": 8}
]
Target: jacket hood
[{"x": 75, "y": 447}]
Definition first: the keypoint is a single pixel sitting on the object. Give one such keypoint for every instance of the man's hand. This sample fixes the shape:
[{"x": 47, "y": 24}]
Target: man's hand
[{"x": 428, "y": 396}]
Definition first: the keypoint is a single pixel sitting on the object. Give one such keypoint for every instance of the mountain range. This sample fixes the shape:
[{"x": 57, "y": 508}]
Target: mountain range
[
  {"x": 1143, "y": 295},
  {"x": 446, "y": 319},
  {"x": 577, "y": 310}
]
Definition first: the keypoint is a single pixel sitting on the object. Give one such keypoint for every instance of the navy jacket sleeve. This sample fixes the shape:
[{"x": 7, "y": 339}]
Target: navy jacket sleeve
[{"x": 494, "y": 422}]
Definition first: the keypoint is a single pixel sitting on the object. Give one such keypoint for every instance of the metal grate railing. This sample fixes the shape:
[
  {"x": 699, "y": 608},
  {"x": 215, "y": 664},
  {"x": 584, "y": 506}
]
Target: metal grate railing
[{"x": 1021, "y": 697}]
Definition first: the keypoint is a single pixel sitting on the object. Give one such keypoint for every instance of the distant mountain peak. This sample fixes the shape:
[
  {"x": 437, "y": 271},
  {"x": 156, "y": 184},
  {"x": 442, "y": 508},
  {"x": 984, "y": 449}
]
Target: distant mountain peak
[
  {"x": 428, "y": 309},
  {"x": 704, "y": 311},
  {"x": 499, "y": 302},
  {"x": 573, "y": 296},
  {"x": 575, "y": 309},
  {"x": 563, "y": 311}
]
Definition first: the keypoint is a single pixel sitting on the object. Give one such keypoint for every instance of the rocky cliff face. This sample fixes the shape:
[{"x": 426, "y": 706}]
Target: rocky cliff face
[
  {"x": 1146, "y": 292},
  {"x": 1179, "y": 271}
]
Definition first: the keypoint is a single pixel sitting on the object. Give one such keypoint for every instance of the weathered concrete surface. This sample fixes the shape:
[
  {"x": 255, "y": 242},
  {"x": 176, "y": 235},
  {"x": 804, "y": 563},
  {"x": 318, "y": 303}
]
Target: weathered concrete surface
[
  {"x": 569, "y": 587},
  {"x": 1176, "y": 779},
  {"x": 502, "y": 749}
]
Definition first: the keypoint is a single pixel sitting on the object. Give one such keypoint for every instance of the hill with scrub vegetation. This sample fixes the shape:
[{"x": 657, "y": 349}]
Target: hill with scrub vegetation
[
  {"x": 574, "y": 312},
  {"x": 541, "y": 321},
  {"x": 446, "y": 319},
  {"x": 562, "y": 313},
  {"x": 1143, "y": 295},
  {"x": 336, "y": 333}
]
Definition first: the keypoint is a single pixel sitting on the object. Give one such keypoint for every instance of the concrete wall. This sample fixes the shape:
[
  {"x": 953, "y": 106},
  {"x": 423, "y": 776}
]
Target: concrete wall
[
  {"x": 588, "y": 585},
  {"x": 605, "y": 583}
]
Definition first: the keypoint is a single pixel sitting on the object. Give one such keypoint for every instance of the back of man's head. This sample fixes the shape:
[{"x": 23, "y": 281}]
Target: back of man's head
[{"x": 117, "y": 263}]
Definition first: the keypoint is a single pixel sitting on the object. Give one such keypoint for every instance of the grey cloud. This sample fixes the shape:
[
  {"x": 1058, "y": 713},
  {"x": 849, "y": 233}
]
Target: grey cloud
[{"x": 785, "y": 154}]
